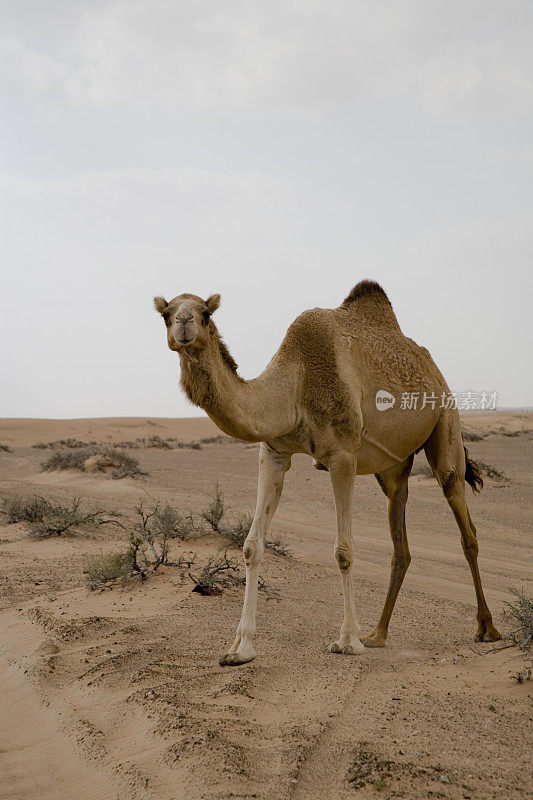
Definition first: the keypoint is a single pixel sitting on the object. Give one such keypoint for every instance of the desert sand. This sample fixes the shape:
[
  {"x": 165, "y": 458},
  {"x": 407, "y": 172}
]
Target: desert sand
[{"x": 117, "y": 692}]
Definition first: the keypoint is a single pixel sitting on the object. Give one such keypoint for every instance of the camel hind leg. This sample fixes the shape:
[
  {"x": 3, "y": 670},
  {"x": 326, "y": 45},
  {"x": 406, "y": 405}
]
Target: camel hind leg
[
  {"x": 394, "y": 484},
  {"x": 448, "y": 459}
]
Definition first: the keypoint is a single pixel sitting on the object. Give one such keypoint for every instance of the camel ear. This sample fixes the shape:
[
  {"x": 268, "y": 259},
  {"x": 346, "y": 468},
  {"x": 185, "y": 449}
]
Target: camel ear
[
  {"x": 213, "y": 303},
  {"x": 160, "y": 304}
]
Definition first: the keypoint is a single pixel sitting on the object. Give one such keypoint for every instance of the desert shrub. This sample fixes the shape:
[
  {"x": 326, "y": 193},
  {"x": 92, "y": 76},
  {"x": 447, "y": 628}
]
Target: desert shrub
[
  {"x": 155, "y": 527},
  {"x": 422, "y": 469},
  {"x": 169, "y": 522},
  {"x": 156, "y": 441},
  {"x": 491, "y": 471},
  {"x": 473, "y": 436},
  {"x": 215, "y": 511},
  {"x": 24, "y": 509},
  {"x": 68, "y": 460},
  {"x": 188, "y": 445},
  {"x": 278, "y": 546},
  {"x": 122, "y": 464},
  {"x": 128, "y": 467},
  {"x": 520, "y": 615},
  {"x": 238, "y": 532},
  {"x": 214, "y": 439},
  {"x": 65, "y": 443},
  {"x": 106, "y": 568},
  {"x": 217, "y": 571},
  {"x": 5, "y": 448},
  {"x": 50, "y": 518}
]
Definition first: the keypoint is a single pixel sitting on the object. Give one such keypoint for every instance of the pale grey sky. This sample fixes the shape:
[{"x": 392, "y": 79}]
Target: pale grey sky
[{"x": 273, "y": 151}]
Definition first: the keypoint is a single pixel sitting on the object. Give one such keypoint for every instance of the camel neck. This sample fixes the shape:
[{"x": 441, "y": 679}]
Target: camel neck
[{"x": 256, "y": 410}]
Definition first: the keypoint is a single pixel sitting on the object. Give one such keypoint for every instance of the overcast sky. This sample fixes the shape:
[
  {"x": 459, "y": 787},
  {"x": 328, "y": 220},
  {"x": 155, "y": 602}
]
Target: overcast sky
[{"x": 273, "y": 151}]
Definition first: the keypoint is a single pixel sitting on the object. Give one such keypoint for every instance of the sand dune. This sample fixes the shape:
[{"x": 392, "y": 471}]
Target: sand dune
[{"x": 118, "y": 693}]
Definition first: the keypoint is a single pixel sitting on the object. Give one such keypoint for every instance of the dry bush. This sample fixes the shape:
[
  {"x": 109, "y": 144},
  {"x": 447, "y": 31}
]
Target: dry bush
[
  {"x": 217, "y": 571},
  {"x": 65, "y": 443},
  {"x": 5, "y": 448},
  {"x": 473, "y": 436},
  {"x": 490, "y": 471},
  {"x": 422, "y": 469},
  {"x": 169, "y": 522},
  {"x": 156, "y": 441},
  {"x": 155, "y": 527},
  {"x": 523, "y": 675},
  {"x": 215, "y": 511},
  {"x": 278, "y": 546},
  {"x": 123, "y": 465},
  {"x": 24, "y": 509},
  {"x": 520, "y": 614},
  {"x": 50, "y": 518},
  {"x": 236, "y": 533},
  {"x": 151, "y": 441},
  {"x": 188, "y": 445},
  {"x": 107, "y": 568}
]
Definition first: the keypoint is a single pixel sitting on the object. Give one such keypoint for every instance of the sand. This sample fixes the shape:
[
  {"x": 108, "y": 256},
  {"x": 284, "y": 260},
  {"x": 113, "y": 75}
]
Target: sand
[{"x": 117, "y": 693}]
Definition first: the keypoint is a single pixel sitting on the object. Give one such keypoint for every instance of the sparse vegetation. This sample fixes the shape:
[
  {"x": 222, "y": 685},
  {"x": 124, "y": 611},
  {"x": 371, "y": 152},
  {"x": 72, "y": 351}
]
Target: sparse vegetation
[
  {"x": 120, "y": 465},
  {"x": 106, "y": 568},
  {"x": 154, "y": 529},
  {"x": 474, "y": 436},
  {"x": 523, "y": 675},
  {"x": 422, "y": 469},
  {"x": 278, "y": 546},
  {"x": 51, "y": 518},
  {"x": 63, "y": 443},
  {"x": 520, "y": 615},
  {"x": 490, "y": 471},
  {"x": 133, "y": 444},
  {"x": 170, "y": 523},
  {"x": 217, "y": 571},
  {"x": 215, "y": 511},
  {"x": 239, "y": 530},
  {"x": 5, "y": 448}
]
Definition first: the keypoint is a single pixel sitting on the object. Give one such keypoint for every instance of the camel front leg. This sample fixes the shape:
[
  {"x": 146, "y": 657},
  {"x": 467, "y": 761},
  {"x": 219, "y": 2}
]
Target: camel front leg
[
  {"x": 272, "y": 469},
  {"x": 342, "y": 472}
]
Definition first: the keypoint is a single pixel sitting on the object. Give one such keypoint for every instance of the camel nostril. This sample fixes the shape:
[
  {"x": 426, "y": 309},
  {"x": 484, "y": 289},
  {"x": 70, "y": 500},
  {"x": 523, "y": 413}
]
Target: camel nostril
[{"x": 184, "y": 321}]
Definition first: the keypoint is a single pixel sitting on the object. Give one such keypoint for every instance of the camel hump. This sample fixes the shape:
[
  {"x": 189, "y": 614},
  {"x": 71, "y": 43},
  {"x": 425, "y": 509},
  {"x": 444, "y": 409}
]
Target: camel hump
[{"x": 366, "y": 289}]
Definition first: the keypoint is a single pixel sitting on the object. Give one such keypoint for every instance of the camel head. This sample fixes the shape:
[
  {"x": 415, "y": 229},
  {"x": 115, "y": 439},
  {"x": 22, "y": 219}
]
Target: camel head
[{"x": 187, "y": 318}]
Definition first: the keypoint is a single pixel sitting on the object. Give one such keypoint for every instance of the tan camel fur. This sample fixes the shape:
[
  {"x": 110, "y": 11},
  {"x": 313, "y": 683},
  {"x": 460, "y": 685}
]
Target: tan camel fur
[{"x": 318, "y": 396}]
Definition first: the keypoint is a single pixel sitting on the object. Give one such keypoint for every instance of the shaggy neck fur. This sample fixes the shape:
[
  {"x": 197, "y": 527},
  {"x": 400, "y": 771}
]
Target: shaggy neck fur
[{"x": 242, "y": 409}]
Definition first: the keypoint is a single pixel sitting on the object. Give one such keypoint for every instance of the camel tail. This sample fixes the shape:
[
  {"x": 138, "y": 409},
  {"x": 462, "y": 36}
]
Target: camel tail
[{"x": 473, "y": 473}]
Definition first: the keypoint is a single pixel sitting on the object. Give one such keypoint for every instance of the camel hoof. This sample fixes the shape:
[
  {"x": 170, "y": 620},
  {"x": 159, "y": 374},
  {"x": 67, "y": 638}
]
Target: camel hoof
[
  {"x": 234, "y": 659},
  {"x": 374, "y": 641},
  {"x": 487, "y": 633},
  {"x": 347, "y": 649}
]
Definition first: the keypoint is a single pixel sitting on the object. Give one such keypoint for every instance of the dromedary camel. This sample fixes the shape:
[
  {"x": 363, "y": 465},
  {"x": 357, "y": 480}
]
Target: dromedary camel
[{"x": 334, "y": 390}]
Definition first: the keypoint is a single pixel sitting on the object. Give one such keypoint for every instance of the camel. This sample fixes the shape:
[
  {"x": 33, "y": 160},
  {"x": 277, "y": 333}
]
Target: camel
[{"x": 336, "y": 391}]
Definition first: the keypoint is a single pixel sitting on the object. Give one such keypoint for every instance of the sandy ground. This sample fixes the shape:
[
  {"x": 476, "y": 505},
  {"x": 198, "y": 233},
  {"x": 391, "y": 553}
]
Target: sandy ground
[{"x": 118, "y": 693}]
